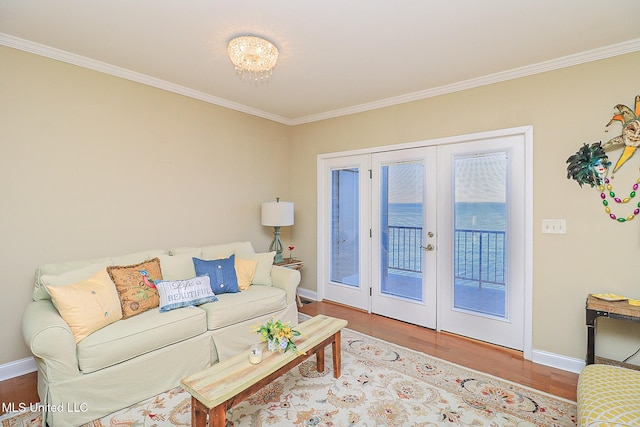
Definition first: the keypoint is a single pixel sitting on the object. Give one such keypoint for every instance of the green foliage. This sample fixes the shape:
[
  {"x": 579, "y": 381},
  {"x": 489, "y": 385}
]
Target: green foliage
[
  {"x": 278, "y": 335},
  {"x": 581, "y": 165}
]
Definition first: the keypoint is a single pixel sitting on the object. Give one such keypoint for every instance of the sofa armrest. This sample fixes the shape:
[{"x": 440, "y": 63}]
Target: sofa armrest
[
  {"x": 50, "y": 340},
  {"x": 286, "y": 279}
]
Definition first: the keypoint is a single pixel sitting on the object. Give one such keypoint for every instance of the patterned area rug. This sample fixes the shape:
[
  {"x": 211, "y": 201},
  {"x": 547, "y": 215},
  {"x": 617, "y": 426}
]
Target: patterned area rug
[{"x": 382, "y": 384}]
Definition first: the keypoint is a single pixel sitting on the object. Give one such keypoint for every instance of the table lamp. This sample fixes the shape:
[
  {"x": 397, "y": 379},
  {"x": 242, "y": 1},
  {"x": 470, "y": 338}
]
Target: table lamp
[{"x": 277, "y": 214}]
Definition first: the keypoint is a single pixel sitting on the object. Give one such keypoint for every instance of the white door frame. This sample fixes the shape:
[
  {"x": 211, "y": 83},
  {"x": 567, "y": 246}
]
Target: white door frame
[
  {"x": 353, "y": 296},
  {"x": 525, "y": 131}
]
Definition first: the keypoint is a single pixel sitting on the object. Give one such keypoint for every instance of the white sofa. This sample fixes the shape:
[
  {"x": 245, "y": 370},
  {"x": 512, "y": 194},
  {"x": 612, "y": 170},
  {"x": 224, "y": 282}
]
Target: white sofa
[{"x": 139, "y": 357}]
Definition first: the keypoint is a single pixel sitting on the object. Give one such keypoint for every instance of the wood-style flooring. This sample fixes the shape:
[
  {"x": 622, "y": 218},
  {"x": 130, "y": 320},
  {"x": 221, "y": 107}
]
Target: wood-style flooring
[{"x": 491, "y": 359}]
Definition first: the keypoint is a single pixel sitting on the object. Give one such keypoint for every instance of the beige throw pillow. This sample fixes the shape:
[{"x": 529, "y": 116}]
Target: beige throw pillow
[
  {"x": 245, "y": 271},
  {"x": 87, "y": 305},
  {"x": 263, "y": 271}
]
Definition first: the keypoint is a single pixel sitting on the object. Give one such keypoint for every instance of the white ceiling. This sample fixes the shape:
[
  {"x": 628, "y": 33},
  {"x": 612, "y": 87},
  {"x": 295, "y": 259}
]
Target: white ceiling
[{"x": 336, "y": 56}]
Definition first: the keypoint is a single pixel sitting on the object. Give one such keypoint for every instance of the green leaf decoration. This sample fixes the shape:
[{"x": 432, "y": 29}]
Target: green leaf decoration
[{"x": 581, "y": 165}]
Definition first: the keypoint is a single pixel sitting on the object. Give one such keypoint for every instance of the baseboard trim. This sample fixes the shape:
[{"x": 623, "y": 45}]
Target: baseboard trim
[
  {"x": 553, "y": 360},
  {"x": 558, "y": 361},
  {"x": 17, "y": 368},
  {"x": 308, "y": 294}
]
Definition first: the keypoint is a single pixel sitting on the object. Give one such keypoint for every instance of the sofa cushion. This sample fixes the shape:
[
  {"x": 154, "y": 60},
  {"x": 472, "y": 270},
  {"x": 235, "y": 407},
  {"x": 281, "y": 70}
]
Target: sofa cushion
[
  {"x": 220, "y": 251},
  {"x": 214, "y": 251},
  {"x": 177, "y": 267},
  {"x": 242, "y": 306},
  {"x": 138, "y": 335},
  {"x": 180, "y": 266},
  {"x": 183, "y": 293},
  {"x": 66, "y": 273},
  {"x": 135, "y": 285},
  {"x": 87, "y": 305},
  {"x": 222, "y": 273},
  {"x": 265, "y": 263},
  {"x": 45, "y": 281}
]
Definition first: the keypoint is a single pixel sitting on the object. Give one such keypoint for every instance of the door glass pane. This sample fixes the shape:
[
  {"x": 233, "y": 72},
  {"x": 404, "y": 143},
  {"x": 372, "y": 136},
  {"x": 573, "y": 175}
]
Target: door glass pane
[
  {"x": 345, "y": 226},
  {"x": 480, "y": 184},
  {"x": 401, "y": 204}
]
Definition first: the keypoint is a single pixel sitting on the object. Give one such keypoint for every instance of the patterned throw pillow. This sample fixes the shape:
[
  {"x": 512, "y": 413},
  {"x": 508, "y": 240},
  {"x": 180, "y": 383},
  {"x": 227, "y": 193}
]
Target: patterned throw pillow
[
  {"x": 136, "y": 286},
  {"x": 222, "y": 273},
  {"x": 184, "y": 293}
]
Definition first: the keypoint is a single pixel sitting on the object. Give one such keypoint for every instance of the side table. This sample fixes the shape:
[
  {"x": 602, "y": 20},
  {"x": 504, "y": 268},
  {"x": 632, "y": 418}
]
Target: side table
[
  {"x": 595, "y": 308},
  {"x": 294, "y": 264}
]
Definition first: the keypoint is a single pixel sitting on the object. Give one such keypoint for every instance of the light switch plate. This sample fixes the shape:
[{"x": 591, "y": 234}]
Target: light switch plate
[{"x": 554, "y": 226}]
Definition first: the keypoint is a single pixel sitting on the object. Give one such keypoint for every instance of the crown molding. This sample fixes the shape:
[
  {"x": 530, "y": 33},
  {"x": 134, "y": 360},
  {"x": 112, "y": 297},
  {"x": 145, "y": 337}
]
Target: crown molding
[
  {"x": 102, "y": 67},
  {"x": 542, "y": 67},
  {"x": 515, "y": 73}
]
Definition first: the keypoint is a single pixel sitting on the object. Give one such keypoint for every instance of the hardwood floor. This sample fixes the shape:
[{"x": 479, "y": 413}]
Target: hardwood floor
[
  {"x": 498, "y": 361},
  {"x": 19, "y": 390},
  {"x": 494, "y": 360}
]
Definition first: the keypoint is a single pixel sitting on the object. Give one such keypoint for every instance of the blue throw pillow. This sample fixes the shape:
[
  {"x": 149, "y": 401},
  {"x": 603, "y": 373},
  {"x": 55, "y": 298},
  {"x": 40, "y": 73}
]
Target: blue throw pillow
[{"x": 222, "y": 273}]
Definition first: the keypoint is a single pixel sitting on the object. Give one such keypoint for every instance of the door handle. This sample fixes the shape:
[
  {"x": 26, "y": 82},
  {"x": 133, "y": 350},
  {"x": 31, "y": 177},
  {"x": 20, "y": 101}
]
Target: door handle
[{"x": 429, "y": 247}]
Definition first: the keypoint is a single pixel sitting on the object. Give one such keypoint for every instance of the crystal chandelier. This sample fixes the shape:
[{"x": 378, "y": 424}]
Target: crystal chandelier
[{"x": 253, "y": 57}]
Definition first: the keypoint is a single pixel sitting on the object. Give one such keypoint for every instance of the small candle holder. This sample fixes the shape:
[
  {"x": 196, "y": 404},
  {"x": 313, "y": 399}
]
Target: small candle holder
[{"x": 255, "y": 354}]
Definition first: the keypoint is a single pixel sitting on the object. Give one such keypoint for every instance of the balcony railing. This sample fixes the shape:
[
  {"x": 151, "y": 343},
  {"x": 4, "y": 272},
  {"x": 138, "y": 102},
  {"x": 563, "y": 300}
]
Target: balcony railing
[
  {"x": 404, "y": 252},
  {"x": 479, "y": 254}
]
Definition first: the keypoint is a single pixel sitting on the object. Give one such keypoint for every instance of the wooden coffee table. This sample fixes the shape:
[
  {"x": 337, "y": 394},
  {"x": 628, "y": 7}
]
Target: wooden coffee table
[{"x": 224, "y": 384}]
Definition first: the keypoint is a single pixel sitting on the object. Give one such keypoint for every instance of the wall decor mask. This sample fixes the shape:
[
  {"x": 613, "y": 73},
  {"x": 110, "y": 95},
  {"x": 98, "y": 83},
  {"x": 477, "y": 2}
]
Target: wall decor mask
[{"x": 591, "y": 165}]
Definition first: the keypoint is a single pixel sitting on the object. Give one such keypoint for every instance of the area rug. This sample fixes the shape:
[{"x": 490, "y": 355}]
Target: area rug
[{"x": 382, "y": 384}]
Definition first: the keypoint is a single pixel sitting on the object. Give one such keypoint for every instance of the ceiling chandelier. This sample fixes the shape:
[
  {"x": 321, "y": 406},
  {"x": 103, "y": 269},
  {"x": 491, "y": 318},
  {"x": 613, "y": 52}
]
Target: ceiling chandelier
[{"x": 253, "y": 57}]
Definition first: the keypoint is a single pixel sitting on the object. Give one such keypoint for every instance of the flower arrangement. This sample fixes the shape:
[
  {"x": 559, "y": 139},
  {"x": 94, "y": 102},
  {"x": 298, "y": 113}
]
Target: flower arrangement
[
  {"x": 291, "y": 248},
  {"x": 278, "y": 335}
]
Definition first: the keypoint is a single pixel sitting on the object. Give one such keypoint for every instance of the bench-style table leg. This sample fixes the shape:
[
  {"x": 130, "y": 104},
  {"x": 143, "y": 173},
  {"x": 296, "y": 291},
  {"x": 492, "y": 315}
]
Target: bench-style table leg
[
  {"x": 198, "y": 413},
  {"x": 320, "y": 359},
  {"x": 218, "y": 416},
  {"x": 337, "y": 360}
]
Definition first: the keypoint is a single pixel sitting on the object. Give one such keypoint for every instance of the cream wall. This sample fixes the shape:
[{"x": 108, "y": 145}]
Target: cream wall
[
  {"x": 93, "y": 165},
  {"x": 567, "y": 108}
]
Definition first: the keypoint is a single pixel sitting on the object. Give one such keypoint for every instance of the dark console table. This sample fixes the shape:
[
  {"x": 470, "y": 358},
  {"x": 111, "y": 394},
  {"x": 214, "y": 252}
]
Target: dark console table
[{"x": 595, "y": 308}]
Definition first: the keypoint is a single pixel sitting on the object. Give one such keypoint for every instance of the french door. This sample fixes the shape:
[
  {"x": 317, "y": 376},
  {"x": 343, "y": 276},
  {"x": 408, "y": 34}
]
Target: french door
[
  {"x": 346, "y": 217},
  {"x": 403, "y": 224},
  {"x": 434, "y": 235},
  {"x": 378, "y": 205},
  {"x": 481, "y": 233}
]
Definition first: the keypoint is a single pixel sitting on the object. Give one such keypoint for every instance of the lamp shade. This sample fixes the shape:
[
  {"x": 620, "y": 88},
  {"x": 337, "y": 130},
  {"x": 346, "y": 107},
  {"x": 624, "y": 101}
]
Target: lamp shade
[{"x": 277, "y": 214}]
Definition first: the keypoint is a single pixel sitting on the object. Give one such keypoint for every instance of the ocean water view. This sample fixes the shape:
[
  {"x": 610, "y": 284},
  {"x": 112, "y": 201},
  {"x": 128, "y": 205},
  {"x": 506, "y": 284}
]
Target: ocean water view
[
  {"x": 468, "y": 216},
  {"x": 479, "y": 254}
]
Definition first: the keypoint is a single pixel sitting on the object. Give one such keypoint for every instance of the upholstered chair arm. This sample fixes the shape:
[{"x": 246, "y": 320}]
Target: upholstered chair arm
[
  {"x": 50, "y": 340},
  {"x": 286, "y": 279}
]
